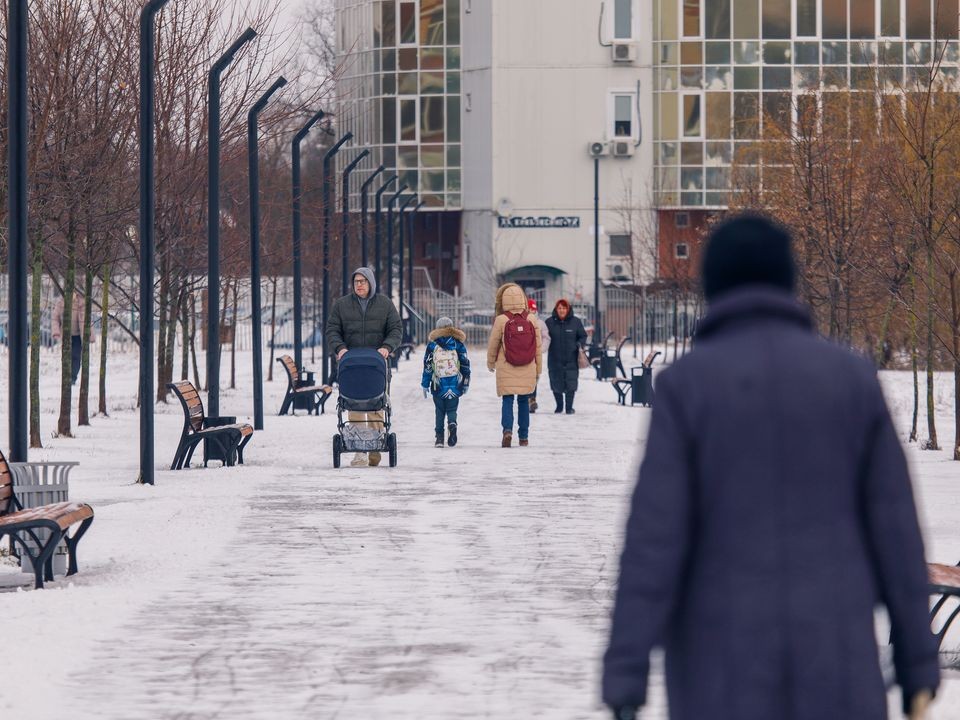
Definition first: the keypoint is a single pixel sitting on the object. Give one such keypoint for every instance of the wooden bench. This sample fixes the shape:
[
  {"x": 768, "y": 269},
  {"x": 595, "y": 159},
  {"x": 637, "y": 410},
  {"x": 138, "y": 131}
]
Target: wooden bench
[
  {"x": 56, "y": 519},
  {"x": 315, "y": 395},
  {"x": 228, "y": 438},
  {"x": 945, "y": 582}
]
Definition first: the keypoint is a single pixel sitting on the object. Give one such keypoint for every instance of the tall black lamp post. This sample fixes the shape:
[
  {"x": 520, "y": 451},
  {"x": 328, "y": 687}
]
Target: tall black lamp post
[
  {"x": 597, "y": 335},
  {"x": 345, "y": 225},
  {"x": 327, "y": 207},
  {"x": 17, "y": 226},
  {"x": 412, "y": 218},
  {"x": 378, "y": 225},
  {"x": 364, "y": 203},
  {"x": 147, "y": 203},
  {"x": 297, "y": 265},
  {"x": 400, "y": 247},
  {"x": 253, "y": 157},
  {"x": 213, "y": 222},
  {"x": 390, "y": 225}
]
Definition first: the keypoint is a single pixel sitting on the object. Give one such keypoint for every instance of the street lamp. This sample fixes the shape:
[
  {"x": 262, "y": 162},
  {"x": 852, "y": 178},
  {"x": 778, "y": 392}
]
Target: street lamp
[
  {"x": 253, "y": 157},
  {"x": 390, "y": 202},
  {"x": 411, "y": 216},
  {"x": 402, "y": 224},
  {"x": 364, "y": 202},
  {"x": 213, "y": 223},
  {"x": 345, "y": 225},
  {"x": 327, "y": 160},
  {"x": 379, "y": 223},
  {"x": 297, "y": 269},
  {"x": 147, "y": 206}
]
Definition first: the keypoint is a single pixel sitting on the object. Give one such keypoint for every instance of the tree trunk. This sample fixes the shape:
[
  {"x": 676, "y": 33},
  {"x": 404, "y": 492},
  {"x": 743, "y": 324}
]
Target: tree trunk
[
  {"x": 83, "y": 411},
  {"x": 914, "y": 430},
  {"x": 932, "y": 443},
  {"x": 162, "y": 306},
  {"x": 955, "y": 333},
  {"x": 66, "y": 338},
  {"x": 175, "y": 300},
  {"x": 273, "y": 329},
  {"x": 104, "y": 336},
  {"x": 185, "y": 343},
  {"x": 35, "y": 295},
  {"x": 233, "y": 342},
  {"x": 193, "y": 340}
]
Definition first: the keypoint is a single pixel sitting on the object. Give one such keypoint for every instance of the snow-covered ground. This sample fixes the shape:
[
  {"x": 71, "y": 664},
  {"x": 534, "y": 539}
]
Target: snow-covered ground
[{"x": 472, "y": 582}]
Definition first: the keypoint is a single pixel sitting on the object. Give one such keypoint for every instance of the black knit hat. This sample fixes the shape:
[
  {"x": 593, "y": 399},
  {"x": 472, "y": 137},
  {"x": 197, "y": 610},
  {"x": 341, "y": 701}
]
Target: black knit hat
[{"x": 746, "y": 250}]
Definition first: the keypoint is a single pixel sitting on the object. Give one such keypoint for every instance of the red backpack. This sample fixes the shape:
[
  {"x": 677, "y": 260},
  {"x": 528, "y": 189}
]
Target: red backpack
[{"x": 519, "y": 340}]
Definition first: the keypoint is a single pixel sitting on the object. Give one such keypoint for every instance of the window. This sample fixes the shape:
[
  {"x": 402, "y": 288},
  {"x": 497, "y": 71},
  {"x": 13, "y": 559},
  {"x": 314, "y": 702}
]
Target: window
[
  {"x": 945, "y": 20},
  {"x": 623, "y": 116},
  {"x": 681, "y": 220},
  {"x": 890, "y": 18},
  {"x": 918, "y": 19},
  {"x": 620, "y": 245},
  {"x": 776, "y": 18},
  {"x": 691, "y": 115},
  {"x": 835, "y": 20},
  {"x": 681, "y": 251},
  {"x": 408, "y": 23},
  {"x": 691, "y": 18},
  {"x": 717, "y": 18},
  {"x": 746, "y": 19},
  {"x": 407, "y": 119},
  {"x": 806, "y": 18},
  {"x": 863, "y": 14},
  {"x": 623, "y": 19}
]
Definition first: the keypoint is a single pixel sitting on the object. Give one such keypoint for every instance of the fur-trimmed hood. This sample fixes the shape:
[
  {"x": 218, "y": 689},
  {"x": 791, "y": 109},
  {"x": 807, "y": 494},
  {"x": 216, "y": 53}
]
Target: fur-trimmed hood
[
  {"x": 455, "y": 333},
  {"x": 510, "y": 297}
]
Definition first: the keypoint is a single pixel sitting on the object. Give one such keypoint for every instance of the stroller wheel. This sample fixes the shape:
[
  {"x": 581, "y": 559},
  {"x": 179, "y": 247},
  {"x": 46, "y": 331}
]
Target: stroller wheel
[
  {"x": 392, "y": 448},
  {"x": 337, "y": 449}
]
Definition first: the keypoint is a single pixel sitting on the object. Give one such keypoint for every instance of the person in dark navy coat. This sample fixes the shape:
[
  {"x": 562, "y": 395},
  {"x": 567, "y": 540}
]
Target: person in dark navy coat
[{"x": 772, "y": 514}]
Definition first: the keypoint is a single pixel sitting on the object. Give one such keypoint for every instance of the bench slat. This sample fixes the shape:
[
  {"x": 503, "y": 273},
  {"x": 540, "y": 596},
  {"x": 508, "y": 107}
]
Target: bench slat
[{"x": 64, "y": 514}]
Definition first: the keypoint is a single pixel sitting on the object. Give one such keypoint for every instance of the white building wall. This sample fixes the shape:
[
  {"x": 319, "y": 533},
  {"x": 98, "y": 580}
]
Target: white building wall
[{"x": 535, "y": 103}]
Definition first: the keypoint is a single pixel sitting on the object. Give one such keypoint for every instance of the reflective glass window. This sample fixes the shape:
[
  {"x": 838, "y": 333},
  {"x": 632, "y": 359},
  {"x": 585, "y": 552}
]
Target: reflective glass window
[
  {"x": 945, "y": 21},
  {"x": 408, "y": 84},
  {"x": 746, "y": 78},
  {"x": 806, "y": 18},
  {"x": 453, "y": 181},
  {"x": 718, "y": 53},
  {"x": 918, "y": 18},
  {"x": 453, "y": 118},
  {"x": 691, "y": 18},
  {"x": 408, "y": 119},
  {"x": 718, "y": 153},
  {"x": 718, "y": 115},
  {"x": 777, "y": 53},
  {"x": 408, "y": 23},
  {"x": 691, "y": 53},
  {"x": 806, "y": 53},
  {"x": 718, "y": 178},
  {"x": 408, "y": 59},
  {"x": 388, "y": 19},
  {"x": 623, "y": 19},
  {"x": 623, "y": 115},
  {"x": 453, "y": 82},
  {"x": 776, "y": 78},
  {"x": 389, "y": 120},
  {"x": 863, "y": 16},
  {"x": 776, "y": 18},
  {"x": 746, "y": 19},
  {"x": 691, "y": 115},
  {"x": 431, "y": 119},
  {"x": 453, "y": 22},
  {"x": 668, "y": 20},
  {"x": 718, "y": 78},
  {"x": 834, "y": 53},
  {"x": 669, "y": 121},
  {"x": 431, "y": 59},
  {"x": 453, "y": 156},
  {"x": 389, "y": 59},
  {"x": 431, "y": 22},
  {"x": 863, "y": 53},
  {"x": 890, "y": 18},
  {"x": 835, "y": 19},
  {"x": 431, "y": 156},
  {"x": 453, "y": 58},
  {"x": 746, "y": 53},
  {"x": 691, "y": 178},
  {"x": 717, "y": 18},
  {"x": 776, "y": 109},
  {"x": 806, "y": 78},
  {"x": 431, "y": 83},
  {"x": 746, "y": 115}
]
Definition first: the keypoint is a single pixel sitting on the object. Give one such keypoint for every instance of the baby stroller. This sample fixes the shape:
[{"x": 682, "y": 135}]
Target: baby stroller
[{"x": 364, "y": 387}]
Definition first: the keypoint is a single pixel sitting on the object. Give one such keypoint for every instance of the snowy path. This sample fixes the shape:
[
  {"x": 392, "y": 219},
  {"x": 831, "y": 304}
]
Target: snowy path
[{"x": 472, "y": 582}]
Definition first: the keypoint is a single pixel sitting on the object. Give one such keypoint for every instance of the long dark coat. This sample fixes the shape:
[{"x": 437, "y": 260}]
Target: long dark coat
[
  {"x": 566, "y": 337},
  {"x": 772, "y": 513}
]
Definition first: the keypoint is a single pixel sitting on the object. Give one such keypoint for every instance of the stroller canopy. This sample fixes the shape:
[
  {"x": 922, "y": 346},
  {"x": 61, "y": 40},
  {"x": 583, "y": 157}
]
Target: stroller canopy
[{"x": 362, "y": 374}]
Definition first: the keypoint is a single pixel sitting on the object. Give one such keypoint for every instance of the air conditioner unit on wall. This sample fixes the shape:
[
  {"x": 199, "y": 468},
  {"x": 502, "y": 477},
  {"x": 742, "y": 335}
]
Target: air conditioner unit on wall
[
  {"x": 623, "y": 52},
  {"x": 623, "y": 147},
  {"x": 618, "y": 269},
  {"x": 598, "y": 149}
]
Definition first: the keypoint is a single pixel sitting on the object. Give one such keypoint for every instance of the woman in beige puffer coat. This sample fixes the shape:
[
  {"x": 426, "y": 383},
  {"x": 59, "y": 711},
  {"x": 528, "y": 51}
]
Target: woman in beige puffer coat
[{"x": 513, "y": 381}]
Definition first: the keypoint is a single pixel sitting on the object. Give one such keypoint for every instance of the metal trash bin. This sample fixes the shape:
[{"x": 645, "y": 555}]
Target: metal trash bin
[
  {"x": 216, "y": 447},
  {"x": 305, "y": 401},
  {"x": 641, "y": 386},
  {"x": 36, "y": 484},
  {"x": 594, "y": 351},
  {"x": 608, "y": 366}
]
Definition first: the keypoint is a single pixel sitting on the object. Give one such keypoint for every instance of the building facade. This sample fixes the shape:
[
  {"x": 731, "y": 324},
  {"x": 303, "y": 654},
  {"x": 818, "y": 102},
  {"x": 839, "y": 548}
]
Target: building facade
[
  {"x": 495, "y": 112},
  {"x": 492, "y": 111}
]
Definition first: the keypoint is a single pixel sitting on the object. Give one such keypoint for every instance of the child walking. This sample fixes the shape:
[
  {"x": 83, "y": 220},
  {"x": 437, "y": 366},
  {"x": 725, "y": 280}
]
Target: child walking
[{"x": 446, "y": 374}]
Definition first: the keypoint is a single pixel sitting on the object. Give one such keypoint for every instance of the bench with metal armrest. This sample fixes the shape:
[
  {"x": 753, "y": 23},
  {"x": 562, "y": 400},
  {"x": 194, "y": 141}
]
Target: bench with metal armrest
[
  {"x": 226, "y": 438},
  {"x": 300, "y": 391}
]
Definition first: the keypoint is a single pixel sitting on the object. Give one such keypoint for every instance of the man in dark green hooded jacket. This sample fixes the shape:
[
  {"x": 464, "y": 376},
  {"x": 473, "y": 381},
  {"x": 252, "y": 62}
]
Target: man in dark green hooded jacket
[{"x": 363, "y": 319}]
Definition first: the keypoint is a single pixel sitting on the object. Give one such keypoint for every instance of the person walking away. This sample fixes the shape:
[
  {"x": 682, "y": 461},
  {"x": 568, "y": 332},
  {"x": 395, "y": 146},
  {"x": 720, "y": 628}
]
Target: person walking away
[
  {"x": 567, "y": 337},
  {"x": 513, "y": 352},
  {"x": 76, "y": 330},
  {"x": 544, "y": 346},
  {"x": 772, "y": 513},
  {"x": 364, "y": 319},
  {"x": 446, "y": 375}
]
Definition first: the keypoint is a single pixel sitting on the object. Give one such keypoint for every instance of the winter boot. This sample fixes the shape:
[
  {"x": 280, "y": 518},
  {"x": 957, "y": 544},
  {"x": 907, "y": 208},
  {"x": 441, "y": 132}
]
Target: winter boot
[
  {"x": 359, "y": 460},
  {"x": 452, "y": 434},
  {"x": 439, "y": 440},
  {"x": 507, "y": 438},
  {"x": 559, "y": 398},
  {"x": 524, "y": 442},
  {"x": 533, "y": 404},
  {"x": 374, "y": 459},
  {"x": 570, "y": 409}
]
